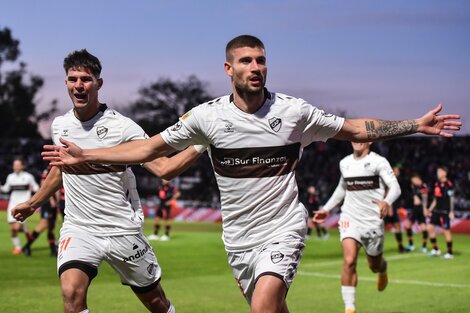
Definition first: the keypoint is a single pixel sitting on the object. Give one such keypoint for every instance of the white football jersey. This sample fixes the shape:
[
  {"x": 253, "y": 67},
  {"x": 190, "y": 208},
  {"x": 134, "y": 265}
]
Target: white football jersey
[
  {"x": 364, "y": 180},
  {"x": 20, "y": 186},
  {"x": 101, "y": 199},
  {"x": 254, "y": 157}
]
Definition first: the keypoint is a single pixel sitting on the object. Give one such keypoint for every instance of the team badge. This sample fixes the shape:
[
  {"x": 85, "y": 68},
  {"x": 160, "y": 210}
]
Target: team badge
[
  {"x": 151, "y": 269},
  {"x": 101, "y": 131},
  {"x": 276, "y": 257},
  {"x": 275, "y": 123}
]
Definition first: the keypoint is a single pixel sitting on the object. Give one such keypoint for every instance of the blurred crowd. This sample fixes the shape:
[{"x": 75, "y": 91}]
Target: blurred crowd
[{"x": 318, "y": 167}]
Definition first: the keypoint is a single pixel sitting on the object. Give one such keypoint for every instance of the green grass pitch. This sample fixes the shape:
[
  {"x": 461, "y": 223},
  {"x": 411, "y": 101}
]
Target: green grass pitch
[{"x": 197, "y": 279}]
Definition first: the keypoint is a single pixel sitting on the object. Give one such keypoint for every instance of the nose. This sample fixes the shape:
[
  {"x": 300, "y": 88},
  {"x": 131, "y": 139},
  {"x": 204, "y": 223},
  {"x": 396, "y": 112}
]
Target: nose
[
  {"x": 78, "y": 84},
  {"x": 254, "y": 66}
]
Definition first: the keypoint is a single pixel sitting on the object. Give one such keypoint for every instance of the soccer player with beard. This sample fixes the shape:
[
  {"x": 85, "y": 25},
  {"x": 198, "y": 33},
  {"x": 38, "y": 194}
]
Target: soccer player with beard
[{"x": 255, "y": 139}]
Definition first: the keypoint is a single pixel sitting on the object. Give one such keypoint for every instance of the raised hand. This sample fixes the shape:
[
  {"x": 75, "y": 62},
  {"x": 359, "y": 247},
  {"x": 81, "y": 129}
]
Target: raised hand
[
  {"x": 320, "y": 216},
  {"x": 68, "y": 154},
  {"x": 433, "y": 124}
]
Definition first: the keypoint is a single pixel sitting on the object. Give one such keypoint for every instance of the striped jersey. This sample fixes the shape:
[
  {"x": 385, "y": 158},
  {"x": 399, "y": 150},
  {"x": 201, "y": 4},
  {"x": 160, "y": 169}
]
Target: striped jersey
[
  {"x": 364, "y": 180},
  {"x": 254, "y": 157},
  {"x": 100, "y": 199},
  {"x": 20, "y": 186}
]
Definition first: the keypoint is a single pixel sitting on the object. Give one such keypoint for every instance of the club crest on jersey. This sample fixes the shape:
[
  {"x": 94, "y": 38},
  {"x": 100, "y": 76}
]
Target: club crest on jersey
[
  {"x": 275, "y": 123},
  {"x": 101, "y": 131}
]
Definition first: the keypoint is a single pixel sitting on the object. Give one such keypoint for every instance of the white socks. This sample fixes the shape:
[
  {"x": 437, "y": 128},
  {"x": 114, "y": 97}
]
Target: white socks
[
  {"x": 349, "y": 296},
  {"x": 171, "y": 309},
  {"x": 84, "y": 311},
  {"x": 16, "y": 242}
]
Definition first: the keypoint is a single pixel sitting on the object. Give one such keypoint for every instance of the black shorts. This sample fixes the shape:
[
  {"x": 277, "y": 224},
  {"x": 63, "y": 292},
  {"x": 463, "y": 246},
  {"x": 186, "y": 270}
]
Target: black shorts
[
  {"x": 48, "y": 212},
  {"x": 416, "y": 215},
  {"x": 162, "y": 209},
  {"x": 311, "y": 212},
  {"x": 440, "y": 219},
  {"x": 392, "y": 219}
]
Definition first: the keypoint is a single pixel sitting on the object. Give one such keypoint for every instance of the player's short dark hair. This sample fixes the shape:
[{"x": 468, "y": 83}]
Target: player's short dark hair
[
  {"x": 444, "y": 168},
  {"x": 242, "y": 41},
  {"x": 84, "y": 59},
  {"x": 415, "y": 175}
]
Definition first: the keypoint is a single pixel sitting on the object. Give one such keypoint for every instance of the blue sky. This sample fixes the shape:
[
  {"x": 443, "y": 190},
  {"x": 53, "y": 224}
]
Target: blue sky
[{"x": 386, "y": 59}]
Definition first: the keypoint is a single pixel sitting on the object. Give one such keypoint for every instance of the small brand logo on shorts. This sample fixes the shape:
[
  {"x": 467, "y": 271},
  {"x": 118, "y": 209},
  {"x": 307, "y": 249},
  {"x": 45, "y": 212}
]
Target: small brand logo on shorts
[
  {"x": 276, "y": 257},
  {"x": 137, "y": 255},
  {"x": 177, "y": 126},
  {"x": 151, "y": 269},
  {"x": 135, "y": 246}
]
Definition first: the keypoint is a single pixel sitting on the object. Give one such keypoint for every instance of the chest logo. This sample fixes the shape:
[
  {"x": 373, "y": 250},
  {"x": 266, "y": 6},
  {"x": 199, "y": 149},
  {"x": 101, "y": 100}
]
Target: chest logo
[
  {"x": 101, "y": 131},
  {"x": 275, "y": 123}
]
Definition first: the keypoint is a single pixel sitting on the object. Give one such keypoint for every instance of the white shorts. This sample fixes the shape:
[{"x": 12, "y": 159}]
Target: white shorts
[
  {"x": 129, "y": 255},
  {"x": 279, "y": 258},
  {"x": 370, "y": 238}
]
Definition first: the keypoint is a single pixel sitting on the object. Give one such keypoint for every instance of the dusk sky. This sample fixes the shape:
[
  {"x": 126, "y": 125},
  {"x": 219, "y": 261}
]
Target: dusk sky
[{"x": 385, "y": 59}]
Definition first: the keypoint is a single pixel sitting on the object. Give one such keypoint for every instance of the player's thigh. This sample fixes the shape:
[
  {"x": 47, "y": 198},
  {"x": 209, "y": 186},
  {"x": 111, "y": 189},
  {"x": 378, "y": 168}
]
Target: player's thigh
[
  {"x": 269, "y": 294},
  {"x": 351, "y": 248},
  {"x": 133, "y": 258}
]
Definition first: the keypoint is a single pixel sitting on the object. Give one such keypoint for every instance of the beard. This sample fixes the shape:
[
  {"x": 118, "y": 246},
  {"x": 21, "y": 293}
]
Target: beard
[{"x": 244, "y": 89}]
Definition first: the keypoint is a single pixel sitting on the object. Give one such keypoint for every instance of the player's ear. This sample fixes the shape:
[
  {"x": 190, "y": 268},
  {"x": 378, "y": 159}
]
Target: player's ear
[
  {"x": 100, "y": 83},
  {"x": 228, "y": 68}
]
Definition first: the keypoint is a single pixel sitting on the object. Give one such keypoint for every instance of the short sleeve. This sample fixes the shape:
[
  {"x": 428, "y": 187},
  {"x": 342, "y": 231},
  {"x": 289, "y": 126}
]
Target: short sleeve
[
  {"x": 187, "y": 131},
  {"x": 316, "y": 125},
  {"x": 385, "y": 171},
  {"x": 132, "y": 131}
]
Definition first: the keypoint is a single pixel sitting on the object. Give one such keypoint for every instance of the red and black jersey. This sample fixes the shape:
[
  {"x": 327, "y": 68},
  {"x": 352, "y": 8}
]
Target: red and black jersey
[
  {"x": 45, "y": 172},
  {"x": 420, "y": 191},
  {"x": 166, "y": 192},
  {"x": 313, "y": 202},
  {"x": 443, "y": 191}
]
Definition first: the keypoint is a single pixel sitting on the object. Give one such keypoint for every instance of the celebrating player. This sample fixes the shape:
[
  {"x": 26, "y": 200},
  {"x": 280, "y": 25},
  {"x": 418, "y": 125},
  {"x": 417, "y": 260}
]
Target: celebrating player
[{"x": 255, "y": 139}]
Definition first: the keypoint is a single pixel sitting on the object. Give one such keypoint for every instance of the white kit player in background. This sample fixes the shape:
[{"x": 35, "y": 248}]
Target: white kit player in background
[
  {"x": 20, "y": 185},
  {"x": 103, "y": 214},
  {"x": 255, "y": 139},
  {"x": 368, "y": 188}
]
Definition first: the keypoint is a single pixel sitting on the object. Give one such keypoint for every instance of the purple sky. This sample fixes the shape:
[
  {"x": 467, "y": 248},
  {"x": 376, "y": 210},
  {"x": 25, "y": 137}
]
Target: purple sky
[{"x": 386, "y": 59}]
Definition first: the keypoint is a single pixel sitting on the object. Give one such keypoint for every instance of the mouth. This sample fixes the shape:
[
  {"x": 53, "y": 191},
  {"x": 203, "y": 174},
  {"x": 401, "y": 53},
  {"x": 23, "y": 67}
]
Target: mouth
[
  {"x": 255, "y": 80},
  {"x": 80, "y": 97}
]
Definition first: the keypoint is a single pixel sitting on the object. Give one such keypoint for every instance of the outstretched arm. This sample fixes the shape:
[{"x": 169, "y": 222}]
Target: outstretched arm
[
  {"x": 369, "y": 129},
  {"x": 169, "y": 168},
  {"x": 133, "y": 152},
  {"x": 50, "y": 185}
]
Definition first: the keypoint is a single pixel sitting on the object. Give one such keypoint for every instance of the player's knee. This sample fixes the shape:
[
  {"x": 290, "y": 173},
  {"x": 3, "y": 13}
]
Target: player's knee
[
  {"x": 349, "y": 262},
  {"x": 73, "y": 296}
]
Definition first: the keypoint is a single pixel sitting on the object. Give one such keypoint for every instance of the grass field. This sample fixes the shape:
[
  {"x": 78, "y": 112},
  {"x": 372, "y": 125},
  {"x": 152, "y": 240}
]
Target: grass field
[{"x": 196, "y": 278}]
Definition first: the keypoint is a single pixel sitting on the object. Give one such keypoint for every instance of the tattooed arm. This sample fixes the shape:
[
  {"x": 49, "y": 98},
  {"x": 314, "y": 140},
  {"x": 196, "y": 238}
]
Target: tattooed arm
[{"x": 370, "y": 129}]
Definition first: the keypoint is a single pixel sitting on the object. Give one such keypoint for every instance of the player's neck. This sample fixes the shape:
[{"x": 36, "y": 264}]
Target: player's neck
[
  {"x": 360, "y": 154},
  {"x": 86, "y": 113},
  {"x": 249, "y": 103}
]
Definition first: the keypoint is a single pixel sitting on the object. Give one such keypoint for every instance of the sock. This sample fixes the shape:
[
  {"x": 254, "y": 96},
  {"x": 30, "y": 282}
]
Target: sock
[
  {"x": 167, "y": 230},
  {"x": 409, "y": 233},
  {"x": 51, "y": 240},
  {"x": 156, "y": 229},
  {"x": 349, "y": 295},
  {"x": 399, "y": 239},
  {"x": 324, "y": 231},
  {"x": 32, "y": 237},
  {"x": 16, "y": 242},
  {"x": 318, "y": 231},
  {"x": 425, "y": 238},
  {"x": 385, "y": 267},
  {"x": 309, "y": 231},
  {"x": 171, "y": 309},
  {"x": 84, "y": 311},
  {"x": 449, "y": 247},
  {"x": 434, "y": 243}
]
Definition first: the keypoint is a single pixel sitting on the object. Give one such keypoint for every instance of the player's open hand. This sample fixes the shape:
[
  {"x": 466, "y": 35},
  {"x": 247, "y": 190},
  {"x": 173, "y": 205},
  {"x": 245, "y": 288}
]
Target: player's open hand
[
  {"x": 320, "y": 216},
  {"x": 68, "y": 154},
  {"x": 384, "y": 207},
  {"x": 22, "y": 211},
  {"x": 433, "y": 124}
]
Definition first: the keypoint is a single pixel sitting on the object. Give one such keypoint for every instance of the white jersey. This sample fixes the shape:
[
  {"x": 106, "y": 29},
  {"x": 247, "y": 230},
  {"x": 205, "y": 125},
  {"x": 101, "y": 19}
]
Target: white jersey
[
  {"x": 20, "y": 186},
  {"x": 254, "y": 157},
  {"x": 101, "y": 199},
  {"x": 364, "y": 180}
]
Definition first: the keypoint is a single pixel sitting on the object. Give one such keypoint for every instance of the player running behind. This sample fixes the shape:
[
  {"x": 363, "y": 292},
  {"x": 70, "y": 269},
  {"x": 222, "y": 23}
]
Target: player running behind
[
  {"x": 312, "y": 204},
  {"x": 365, "y": 176},
  {"x": 441, "y": 211},
  {"x": 255, "y": 139},
  {"x": 20, "y": 184}
]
